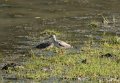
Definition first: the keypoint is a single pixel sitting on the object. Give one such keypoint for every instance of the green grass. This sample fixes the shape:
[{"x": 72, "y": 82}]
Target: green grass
[
  {"x": 48, "y": 32},
  {"x": 70, "y": 65},
  {"x": 93, "y": 24}
]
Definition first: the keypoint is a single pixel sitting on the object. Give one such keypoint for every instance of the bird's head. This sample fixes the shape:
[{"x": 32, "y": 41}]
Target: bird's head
[{"x": 53, "y": 37}]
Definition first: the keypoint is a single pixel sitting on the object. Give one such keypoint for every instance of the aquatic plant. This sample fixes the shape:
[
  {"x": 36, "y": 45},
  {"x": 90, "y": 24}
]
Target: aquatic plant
[{"x": 111, "y": 39}]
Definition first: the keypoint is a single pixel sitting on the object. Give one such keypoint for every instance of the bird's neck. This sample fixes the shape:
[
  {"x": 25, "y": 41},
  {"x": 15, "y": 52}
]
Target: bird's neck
[{"x": 54, "y": 39}]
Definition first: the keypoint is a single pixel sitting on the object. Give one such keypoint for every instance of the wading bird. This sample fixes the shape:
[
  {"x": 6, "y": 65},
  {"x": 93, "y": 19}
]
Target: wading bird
[
  {"x": 59, "y": 43},
  {"x": 45, "y": 45}
]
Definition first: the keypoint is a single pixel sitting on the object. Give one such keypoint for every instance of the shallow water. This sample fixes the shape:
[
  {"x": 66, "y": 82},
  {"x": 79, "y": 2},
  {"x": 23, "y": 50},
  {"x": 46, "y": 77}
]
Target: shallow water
[{"x": 22, "y": 21}]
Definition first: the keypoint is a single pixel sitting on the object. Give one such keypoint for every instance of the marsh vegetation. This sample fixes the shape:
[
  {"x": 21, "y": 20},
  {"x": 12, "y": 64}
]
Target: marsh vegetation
[
  {"x": 90, "y": 64},
  {"x": 92, "y": 29}
]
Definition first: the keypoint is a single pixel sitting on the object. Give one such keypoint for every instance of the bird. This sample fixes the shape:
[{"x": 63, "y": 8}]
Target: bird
[
  {"x": 59, "y": 43},
  {"x": 45, "y": 45}
]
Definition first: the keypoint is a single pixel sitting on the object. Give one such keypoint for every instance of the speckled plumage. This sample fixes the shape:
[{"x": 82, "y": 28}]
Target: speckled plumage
[{"x": 59, "y": 43}]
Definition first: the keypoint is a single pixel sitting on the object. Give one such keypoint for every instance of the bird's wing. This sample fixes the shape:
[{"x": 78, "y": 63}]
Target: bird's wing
[
  {"x": 63, "y": 44},
  {"x": 44, "y": 45}
]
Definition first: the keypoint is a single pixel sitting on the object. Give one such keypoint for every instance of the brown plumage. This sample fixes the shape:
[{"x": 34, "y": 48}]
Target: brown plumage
[{"x": 59, "y": 43}]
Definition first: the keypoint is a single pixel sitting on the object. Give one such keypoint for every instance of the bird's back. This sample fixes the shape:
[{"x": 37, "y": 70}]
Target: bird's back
[
  {"x": 44, "y": 45},
  {"x": 62, "y": 44}
]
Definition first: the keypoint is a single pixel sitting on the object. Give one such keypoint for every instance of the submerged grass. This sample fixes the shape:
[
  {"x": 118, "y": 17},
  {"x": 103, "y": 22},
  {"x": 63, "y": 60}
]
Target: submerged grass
[{"x": 69, "y": 66}]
